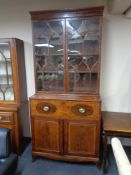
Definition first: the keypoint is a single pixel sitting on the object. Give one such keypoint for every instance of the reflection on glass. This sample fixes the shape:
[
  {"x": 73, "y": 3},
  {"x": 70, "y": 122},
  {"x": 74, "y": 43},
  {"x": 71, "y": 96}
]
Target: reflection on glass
[
  {"x": 82, "y": 82},
  {"x": 49, "y": 57},
  {"x": 6, "y": 83},
  {"x": 50, "y": 73},
  {"x": 83, "y": 51},
  {"x": 48, "y": 38},
  {"x": 83, "y": 73},
  {"x": 83, "y": 36}
]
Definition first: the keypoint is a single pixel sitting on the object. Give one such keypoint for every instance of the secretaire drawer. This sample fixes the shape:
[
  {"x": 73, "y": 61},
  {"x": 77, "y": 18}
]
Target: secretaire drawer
[
  {"x": 46, "y": 107},
  {"x": 65, "y": 109},
  {"x": 6, "y": 117},
  {"x": 89, "y": 110}
]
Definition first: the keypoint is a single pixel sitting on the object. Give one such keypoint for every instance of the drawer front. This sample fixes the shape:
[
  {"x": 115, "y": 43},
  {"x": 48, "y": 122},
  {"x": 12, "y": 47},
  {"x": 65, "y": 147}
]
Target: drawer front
[
  {"x": 83, "y": 110},
  {"x": 6, "y": 117},
  {"x": 46, "y": 108},
  {"x": 66, "y": 109}
]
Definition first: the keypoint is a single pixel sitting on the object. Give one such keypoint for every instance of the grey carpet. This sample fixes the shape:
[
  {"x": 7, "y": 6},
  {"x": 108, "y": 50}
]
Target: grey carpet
[{"x": 43, "y": 166}]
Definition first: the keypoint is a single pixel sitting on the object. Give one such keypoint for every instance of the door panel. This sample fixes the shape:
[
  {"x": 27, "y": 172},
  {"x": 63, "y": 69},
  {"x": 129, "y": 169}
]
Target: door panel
[
  {"x": 47, "y": 134},
  {"x": 80, "y": 137}
]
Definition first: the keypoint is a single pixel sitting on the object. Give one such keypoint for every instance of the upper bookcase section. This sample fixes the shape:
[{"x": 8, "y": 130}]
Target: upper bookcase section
[{"x": 67, "y": 50}]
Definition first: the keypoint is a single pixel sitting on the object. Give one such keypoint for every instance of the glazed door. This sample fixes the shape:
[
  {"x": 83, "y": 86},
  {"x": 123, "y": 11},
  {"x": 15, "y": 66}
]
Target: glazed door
[
  {"x": 49, "y": 55},
  {"x": 80, "y": 138},
  {"x": 83, "y": 46},
  {"x": 6, "y": 78},
  {"x": 47, "y": 135}
]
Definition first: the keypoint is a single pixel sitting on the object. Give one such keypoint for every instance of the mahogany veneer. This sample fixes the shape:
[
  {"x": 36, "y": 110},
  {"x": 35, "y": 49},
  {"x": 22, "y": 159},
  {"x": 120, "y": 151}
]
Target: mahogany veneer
[{"x": 66, "y": 108}]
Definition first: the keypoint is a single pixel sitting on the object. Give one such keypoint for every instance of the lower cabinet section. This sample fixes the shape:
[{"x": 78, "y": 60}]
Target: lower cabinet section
[
  {"x": 65, "y": 139},
  {"x": 64, "y": 129},
  {"x": 9, "y": 119}
]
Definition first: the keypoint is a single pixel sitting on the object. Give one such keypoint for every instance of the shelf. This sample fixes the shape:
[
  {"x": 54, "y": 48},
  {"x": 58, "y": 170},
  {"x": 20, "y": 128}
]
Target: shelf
[
  {"x": 73, "y": 41},
  {"x": 68, "y": 72},
  {"x": 81, "y": 72},
  {"x": 85, "y": 54},
  {"x": 39, "y": 72},
  {"x": 4, "y": 75},
  {"x": 42, "y": 55},
  {"x": 89, "y": 37},
  {"x": 10, "y": 85},
  {"x": 69, "y": 54},
  {"x": 54, "y": 71},
  {"x": 4, "y": 61}
]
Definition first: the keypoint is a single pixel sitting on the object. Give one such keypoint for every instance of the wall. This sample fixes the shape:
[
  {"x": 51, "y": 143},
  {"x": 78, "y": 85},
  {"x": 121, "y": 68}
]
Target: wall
[
  {"x": 116, "y": 66},
  {"x": 116, "y": 56},
  {"x": 116, "y": 63}
]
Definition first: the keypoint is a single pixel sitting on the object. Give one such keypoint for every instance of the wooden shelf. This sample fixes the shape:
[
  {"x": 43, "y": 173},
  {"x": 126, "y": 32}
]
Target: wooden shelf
[
  {"x": 70, "y": 54},
  {"x": 41, "y": 55},
  {"x": 81, "y": 72}
]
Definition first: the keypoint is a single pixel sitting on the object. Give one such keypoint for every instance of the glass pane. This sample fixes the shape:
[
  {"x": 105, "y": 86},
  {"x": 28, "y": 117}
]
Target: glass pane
[
  {"x": 49, "y": 57},
  {"x": 83, "y": 51},
  {"x": 83, "y": 73},
  {"x": 6, "y": 82},
  {"x": 83, "y": 36}
]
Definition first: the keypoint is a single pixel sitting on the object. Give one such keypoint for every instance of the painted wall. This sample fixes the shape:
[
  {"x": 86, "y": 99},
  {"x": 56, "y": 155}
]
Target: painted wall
[
  {"x": 116, "y": 48},
  {"x": 116, "y": 64}
]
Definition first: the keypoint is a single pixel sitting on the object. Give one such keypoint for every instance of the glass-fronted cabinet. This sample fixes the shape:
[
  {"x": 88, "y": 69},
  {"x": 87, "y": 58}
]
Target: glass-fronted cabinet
[
  {"x": 67, "y": 54},
  {"x": 13, "y": 93}
]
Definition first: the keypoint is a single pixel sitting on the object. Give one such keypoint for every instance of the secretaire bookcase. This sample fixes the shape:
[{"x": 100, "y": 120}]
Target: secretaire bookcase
[{"x": 66, "y": 108}]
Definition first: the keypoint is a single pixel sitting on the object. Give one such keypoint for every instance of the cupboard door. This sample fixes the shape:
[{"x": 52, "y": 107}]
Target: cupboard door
[
  {"x": 46, "y": 135},
  {"x": 80, "y": 138}
]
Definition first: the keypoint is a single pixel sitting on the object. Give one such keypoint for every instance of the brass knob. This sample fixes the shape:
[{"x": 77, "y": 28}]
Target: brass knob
[
  {"x": 0, "y": 117},
  {"x": 46, "y": 108},
  {"x": 82, "y": 110}
]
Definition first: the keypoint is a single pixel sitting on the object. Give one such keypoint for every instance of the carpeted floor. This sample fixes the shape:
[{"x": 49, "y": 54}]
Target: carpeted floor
[{"x": 43, "y": 166}]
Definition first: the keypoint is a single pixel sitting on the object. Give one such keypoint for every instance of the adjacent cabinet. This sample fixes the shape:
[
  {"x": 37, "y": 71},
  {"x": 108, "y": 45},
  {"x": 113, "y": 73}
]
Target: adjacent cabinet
[
  {"x": 66, "y": 108},
  {"x": 13, "y": 97}
]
